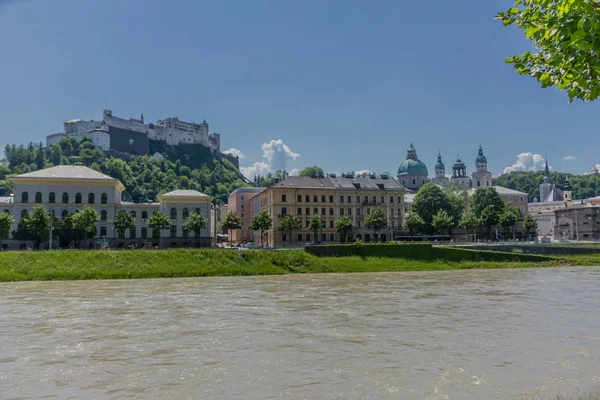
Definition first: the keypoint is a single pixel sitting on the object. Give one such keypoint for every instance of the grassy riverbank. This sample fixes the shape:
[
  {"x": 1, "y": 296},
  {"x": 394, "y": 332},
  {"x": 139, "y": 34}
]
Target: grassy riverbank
[{"x": 73, "y": 265}]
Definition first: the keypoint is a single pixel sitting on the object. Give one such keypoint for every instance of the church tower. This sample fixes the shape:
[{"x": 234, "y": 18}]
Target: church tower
[
  {"x": 440, "y": 172},
  {"x": 459, "y": 173},
  {"x": 481, "y": 177},
  {"x": 547, "y": 186}
]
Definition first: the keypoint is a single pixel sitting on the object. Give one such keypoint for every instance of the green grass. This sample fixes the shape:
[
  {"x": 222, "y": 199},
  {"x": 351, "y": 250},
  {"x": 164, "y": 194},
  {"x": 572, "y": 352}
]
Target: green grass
[{"x": 76, "y": 264}]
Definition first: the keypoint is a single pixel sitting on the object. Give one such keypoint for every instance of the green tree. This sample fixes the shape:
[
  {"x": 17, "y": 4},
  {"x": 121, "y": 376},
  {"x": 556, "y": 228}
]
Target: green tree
[
  {"x": 442, "y": 222},
  {"x": 315, "y": 226},
  {"x": 530, "y": 224},
  {"x": 6, "y": 221},
  {"x": 508, "y": 218},
  {"x": 489, "y": 218},
  {"x": 230, "y": 223},
  {"x": 470, "y": 221},
  {"x": 484, "y": 198},
  {"x": 195, "y": 223},
  {"x": 124, "y": 221},
  {"x": 313, "y": 171},
  {"x": 376, "y": 221},
  {"x": 565, "y": 37},
  {"x": 344, "y": 226},
  {"x": 428, "y": 201},
  {"x": 291, "y": 223},
  {"x": 86, "y": 220},
  {"x": 261, "y": 223},
  {"x": 414, "y": 223},
  {"x": 35, "y": 227},
  {"x": 158, "y": 222}
]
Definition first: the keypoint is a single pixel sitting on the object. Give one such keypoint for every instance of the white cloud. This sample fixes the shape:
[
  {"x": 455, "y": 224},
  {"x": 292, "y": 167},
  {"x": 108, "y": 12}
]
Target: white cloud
[
  {"x": 235, "y": 152},
  {"x": 295, "y": 172},
  {"x": 568, "y": 158},
  {"x": 276, "y": 155},
  {"x": 363, "y": 171},
  {"x": 527, "y": 162}
]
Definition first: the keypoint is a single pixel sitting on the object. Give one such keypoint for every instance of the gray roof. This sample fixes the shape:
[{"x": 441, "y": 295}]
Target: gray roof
[
  {"x": 67, "y": 172},
  {"x": 503, "y": 191},
  {"x": 555, "y": 195},
  {"x": 305, "y": 182},
  {"x": 185, "y": 193},
  {"x": 366, "y": 183}
]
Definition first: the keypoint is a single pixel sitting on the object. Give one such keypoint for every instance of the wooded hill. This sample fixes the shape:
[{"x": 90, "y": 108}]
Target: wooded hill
[{"x": 582, "y": 186}]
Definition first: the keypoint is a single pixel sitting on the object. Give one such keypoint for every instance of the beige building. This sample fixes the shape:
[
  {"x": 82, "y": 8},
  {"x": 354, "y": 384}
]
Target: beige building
[
  {"x": 331, "y": 198},
  {"x": 63, "y": 190},
  {"x": 578, "y": 221}
]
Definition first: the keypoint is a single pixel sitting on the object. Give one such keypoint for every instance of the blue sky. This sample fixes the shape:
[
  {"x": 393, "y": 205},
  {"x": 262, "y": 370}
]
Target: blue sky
[{"x": 341, "y": 84}]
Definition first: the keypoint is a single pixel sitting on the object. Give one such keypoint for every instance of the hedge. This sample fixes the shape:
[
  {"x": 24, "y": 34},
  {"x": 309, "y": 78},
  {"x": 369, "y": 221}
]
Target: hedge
[{"x": 420, "y": 251}]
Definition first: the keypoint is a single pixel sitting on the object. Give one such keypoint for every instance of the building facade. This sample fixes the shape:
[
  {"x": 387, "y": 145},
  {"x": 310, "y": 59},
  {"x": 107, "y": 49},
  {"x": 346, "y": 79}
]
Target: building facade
[
  {"x": 63, "y": 190},
  {"x": 330, "y": 198},
  {"x": 240, "y": 202}
]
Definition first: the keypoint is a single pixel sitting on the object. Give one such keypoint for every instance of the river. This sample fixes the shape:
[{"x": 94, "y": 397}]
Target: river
[{"x": 482, "y": 334}]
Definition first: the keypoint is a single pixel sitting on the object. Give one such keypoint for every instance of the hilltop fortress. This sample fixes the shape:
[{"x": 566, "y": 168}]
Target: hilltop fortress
[{"x": 133, "y": 136}]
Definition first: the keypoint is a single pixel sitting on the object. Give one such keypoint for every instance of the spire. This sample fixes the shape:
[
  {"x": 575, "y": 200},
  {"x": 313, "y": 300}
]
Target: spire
[
  {"x": 547, "y": 178},
  {"x": 142, "y": 118}
]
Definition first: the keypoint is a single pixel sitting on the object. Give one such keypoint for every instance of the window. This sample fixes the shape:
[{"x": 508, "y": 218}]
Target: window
[
  {"x": 315, "y": 211},
  {"x": 186, "y": 213},
  {"x": 315, "y": 198},
  {"x": 103, "y": 215},
  {"x": 173, "y": 213},
  {"x": 374, "y": 200},
  {"x": 357, "y": 199},
  {"x": 132, "y": 233},
  {"x": 144, "y": 232},
  {"x": 414, "y": 182},
  {"x": 331, "y": 199},
  {"x": 144, "y": 216},
  {"x": 65, "y": 198},
  {"x": 521, "y": 199},
  {"x": 283, "y": 211},
  {"x": 186, "y": 234},
  {"x": 284, "y": 238},
  {"x": 78, "y": 198},
  {"x": 399, "y": 214},
  {"x": 242, "y": 198},
  {"x": 341, "y": 211},
  {"x": 307, "y": 223},
  {"x": 64, "y": 214},
  {"x": 331, "y": 211},
  {"x": 299, "y": 237},
  {"x": 284, "y": 198},
  {"x": 382, "y": 199},
  {"x": 133, "y": 214},
  {"x": 358, "y": 211},
  {"x": 522, "y": 208},
  {"x": 323, "y": 237},
  {"x": 478, "y": 184},
  {"x": 102, "y": 231},
  {"x": 299, "y": 211},
  {"x": 331, "y": 237},
  {"x": 391, "y": 199},
  {"x": 23, "y": 213},
  {"x": 103, "y": 198},
  {"x": 341, "y": 198},
  {"x": 52, "y": 198},
  {"x": 323, "y": 199},
  {"x": 392, "y": 212},
  {"x": 349, "y": 211},
  {"x": 173, "y": 231},
  {"x": 307, "y": 198},
  {"x": 91, "y": 198},
  {"x": 242, "y": 206},
  {"x": 393, "y": 224},
  {"x": 510, "y": 199},
  {"x": 307, "y": 211},
  {"x": 323, "y": 211},
  {"x": 331, "y": 224},
  {"x": 349, "y": 199},
  {"x": 38, "y": 197},
  {"x": 368, "y": 211},
  {"x": 399, "y": 200},
  {"x": 24, "y": 197},
  {"x": 197, "y": 210},
  {"x": 299, "y": 198}
]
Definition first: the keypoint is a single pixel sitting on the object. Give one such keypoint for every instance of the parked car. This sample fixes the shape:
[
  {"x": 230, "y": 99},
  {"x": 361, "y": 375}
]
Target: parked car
[
  {"x": 315, "y": 243},
  {"x": 251, "y": 245}
]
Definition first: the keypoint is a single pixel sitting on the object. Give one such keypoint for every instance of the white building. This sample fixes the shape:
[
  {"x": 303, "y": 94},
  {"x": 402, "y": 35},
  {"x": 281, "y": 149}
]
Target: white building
[{"x": 175, "y": 132}]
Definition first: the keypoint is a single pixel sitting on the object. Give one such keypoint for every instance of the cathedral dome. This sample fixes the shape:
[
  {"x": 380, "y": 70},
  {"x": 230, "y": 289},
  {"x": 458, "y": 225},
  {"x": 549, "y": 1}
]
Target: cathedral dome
[
  {"x": 413, "y": 167},
  {"x": 480, "y": 157},
  {"x": 439, "y": 165}
]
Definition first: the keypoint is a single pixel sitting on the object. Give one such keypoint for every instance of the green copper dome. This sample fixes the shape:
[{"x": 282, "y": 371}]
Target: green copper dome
[
  {"x": 439, "y": 165},
  {"x": 480, "y": 157},
  {"x": 413, "y": 167}
]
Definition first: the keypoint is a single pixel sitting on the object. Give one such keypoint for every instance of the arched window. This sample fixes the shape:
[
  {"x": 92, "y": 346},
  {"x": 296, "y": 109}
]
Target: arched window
[
  {"x": 103, "y": 215},
  {"x": 65, "y": 198},
  {"x": 38, "y": 197},
  {"x": 133, "y": 214},
  {"x": 144, "y": 215},
  {"x": 77, "y": 198},
  {"x": 185, "y": 214},
  {"x": 23, "y": 213},
  {"x": 65, "y": 213},
  {"x": 91, "y": 198},
  {"x": 24, "y": 197},
  {"x": 197, "y": 210},
  {"x": 52, "y": 198},
  {"x": 103, "y": 198},
  {"x": 173, "y": 213}
]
